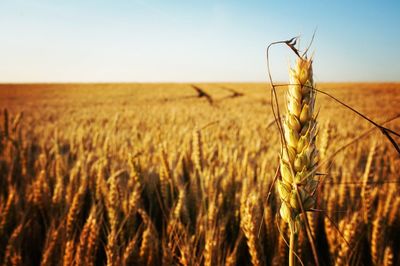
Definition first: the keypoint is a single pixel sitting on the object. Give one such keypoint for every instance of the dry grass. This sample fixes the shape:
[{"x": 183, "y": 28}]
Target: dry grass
[{"x": 127, "y": 174}]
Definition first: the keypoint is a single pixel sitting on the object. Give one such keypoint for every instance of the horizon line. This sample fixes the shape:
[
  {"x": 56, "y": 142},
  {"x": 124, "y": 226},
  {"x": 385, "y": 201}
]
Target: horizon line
[{"x": 179, "y": 82}]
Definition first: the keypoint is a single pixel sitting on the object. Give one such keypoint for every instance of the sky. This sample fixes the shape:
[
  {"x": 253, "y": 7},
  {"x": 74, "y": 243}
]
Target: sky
[{"x": 195, "y": 41}]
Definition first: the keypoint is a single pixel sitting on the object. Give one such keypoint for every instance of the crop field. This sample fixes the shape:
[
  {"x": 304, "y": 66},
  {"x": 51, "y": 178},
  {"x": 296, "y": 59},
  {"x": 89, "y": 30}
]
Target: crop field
[{"x": 176, "y": 174}]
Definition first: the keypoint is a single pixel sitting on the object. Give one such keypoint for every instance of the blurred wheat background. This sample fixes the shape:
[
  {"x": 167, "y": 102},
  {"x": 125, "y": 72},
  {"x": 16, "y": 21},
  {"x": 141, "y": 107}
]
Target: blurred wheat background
[{"x": 151, "y": 174}]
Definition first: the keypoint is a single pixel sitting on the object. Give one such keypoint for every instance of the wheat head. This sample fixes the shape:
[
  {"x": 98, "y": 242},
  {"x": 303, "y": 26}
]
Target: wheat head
[{"x": 298, "y": 159}]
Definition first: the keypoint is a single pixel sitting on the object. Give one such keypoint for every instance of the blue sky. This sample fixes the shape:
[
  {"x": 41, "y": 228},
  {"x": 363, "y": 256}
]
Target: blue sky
[{"x": 188, "y": 41}]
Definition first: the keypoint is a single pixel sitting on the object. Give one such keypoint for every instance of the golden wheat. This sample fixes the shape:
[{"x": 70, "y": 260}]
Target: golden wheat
[
  {"x": 104, "y": 180},
  {"x": 298, "y": 159}
]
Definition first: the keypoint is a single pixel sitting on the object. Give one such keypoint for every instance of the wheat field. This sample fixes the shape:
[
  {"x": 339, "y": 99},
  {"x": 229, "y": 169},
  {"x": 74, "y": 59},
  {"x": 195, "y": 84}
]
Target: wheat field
[{"x": 151, "y": 174}]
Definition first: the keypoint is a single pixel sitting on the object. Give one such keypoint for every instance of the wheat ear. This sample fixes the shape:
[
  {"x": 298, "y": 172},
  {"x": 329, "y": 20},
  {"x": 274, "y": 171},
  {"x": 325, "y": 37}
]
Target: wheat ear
[
  {"x": 366, "y": 187},
  {"x": 388, "y": 256},
  {"x": 298, "y": 159},
  {"x": 250, "y": 223}
]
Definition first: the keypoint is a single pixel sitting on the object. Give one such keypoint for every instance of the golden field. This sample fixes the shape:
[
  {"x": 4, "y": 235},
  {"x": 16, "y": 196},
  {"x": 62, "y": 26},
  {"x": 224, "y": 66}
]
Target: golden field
[{"x": 150, "y": 174}]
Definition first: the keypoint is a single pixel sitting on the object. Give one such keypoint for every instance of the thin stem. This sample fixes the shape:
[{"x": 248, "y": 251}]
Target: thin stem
[
  {"x": 307, "y": 227},
  {"x": 292, "y": 245}
]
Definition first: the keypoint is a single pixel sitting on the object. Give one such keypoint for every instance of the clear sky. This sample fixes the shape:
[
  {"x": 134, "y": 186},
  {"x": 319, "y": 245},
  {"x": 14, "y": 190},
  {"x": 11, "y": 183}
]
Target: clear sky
[{"x": 188, "y": 41}]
